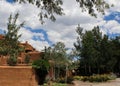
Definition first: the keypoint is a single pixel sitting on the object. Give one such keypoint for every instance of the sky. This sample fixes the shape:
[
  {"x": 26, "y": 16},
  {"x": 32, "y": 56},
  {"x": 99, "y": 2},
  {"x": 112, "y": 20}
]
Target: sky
[{"x": 64, "y": 28}]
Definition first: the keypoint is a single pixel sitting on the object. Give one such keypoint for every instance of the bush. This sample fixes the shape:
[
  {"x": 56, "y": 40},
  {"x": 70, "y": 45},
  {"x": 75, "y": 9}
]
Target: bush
[
  {"x": 41, "y": 64},
  {"x": 112, "y": 76},
  {"x": 98, "y": 78},
  {"x": 69, "y": 80},
  {"x": 41, "y": 70},
  {"x": 12, "y": 61},
  {"x": 56, "y": 84},
  {"x": 85, "y": 78},
  {"x": 77, "y": 77}
]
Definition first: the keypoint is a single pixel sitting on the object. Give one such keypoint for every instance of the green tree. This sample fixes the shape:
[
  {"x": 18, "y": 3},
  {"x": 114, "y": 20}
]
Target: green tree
[
  {"x": 3, "y": 50},
  {"x": 116, "y": 53},
  {"x": 107, "y": 60},
  {"x": 49, "y": 8},
  {"x": 11, "y": 38},
  {"x": 57, "y": 55},
  {"x": 95, "y": 52},
  {"x": 41, "y": 67},
  {"x": 97, "y": 42},
  {"x": 92, "y": 5},
  {"x": 85, "y": 47}
]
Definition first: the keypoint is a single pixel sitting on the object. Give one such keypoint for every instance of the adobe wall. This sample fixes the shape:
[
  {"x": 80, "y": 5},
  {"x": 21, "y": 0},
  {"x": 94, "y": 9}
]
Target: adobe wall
[{"x": 17, "y": 76}]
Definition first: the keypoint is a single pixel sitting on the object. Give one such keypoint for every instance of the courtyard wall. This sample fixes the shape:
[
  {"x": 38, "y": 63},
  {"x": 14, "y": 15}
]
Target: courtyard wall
[{"x": 17, "y": 76}]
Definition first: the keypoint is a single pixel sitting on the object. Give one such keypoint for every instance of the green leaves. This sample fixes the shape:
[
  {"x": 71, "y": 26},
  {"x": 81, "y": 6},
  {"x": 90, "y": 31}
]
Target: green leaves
[
  {"x": 41, "y": 64},
  {"x": 47, "y": 8},
  {"x": 91, "y": 6},
  {"x": 11, "y": 35},
  {"x": 12, "y": 60},
  {"x": 96, "y": 52},
  {"x": 50, "y": 8}
]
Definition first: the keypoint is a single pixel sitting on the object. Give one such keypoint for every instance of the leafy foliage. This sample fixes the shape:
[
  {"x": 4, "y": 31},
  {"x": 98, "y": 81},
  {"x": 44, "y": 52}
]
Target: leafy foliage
[
  {"x": 69, "y": 80},
  {"x": 49, "y": 8},
  {"x": 96, "y": 52},
  {"x": 10, "y": 44},
  {"x": 12, "y": 60},
  {"x": 41, "y": 64},
  {"x": 56, "y": 84},
  {"x": 41, "y": 67},
  {"x": 57, "y": 55},
  {"x": 11, "y": 36},
  {"x": 98, "y": 78},
  {"x": 93, "y": 5}
]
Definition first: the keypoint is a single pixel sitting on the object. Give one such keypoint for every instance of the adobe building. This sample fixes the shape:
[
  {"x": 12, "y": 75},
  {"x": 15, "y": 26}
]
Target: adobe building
[
  {"x": 28, "y": 50},
  {"x": 21, "y": 70},
  {"x": 19, "y": 75}
]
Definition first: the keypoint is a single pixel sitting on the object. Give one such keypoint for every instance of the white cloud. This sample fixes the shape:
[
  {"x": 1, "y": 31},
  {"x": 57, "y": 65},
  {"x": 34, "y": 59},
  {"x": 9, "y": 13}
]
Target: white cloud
[
  {"x": 112, "y": 26},
  {"x": 116, "y": 4},
  {"x": 26, "y": 34},
  {"x": 38, "y": 45},
  {"x": 63, "y": 29}
]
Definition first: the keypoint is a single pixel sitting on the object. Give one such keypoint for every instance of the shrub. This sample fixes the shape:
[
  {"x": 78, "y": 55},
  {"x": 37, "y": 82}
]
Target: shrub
[
  {"x": 77, "y": 77},
  {"x": 12, "y": 61},
  {"x": 41, "y": 64},
  {"x": 41, "y": 70},
  {"x": 85, "y": 78},
  {"x": 112, "y": 76},
  {"x": 56, "y": 84},
  {"x": 69, "y": 80},
  {"x": 98, "y": 78}
]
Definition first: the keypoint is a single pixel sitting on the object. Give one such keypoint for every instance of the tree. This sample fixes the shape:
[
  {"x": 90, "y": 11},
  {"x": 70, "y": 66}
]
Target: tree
[
  {"x": 49, "y": 8},
  {"x": 107, "y": 60},
  {"x": 57, "y": 55},
  {"x": 85, "y": 47},
  {"x": 98, "y": 53},
  {"x": 89, "y": 5},
  {"x": 3, "y": 50},
  {"x": 95, "y": 52},
  {"x": 41, "y": 67},
  {"x": 116, "y": 53},
  {"x": 11, "y": 39}
]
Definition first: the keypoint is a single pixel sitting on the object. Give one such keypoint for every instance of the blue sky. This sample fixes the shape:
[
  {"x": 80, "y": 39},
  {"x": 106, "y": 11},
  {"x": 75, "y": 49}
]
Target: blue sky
[
  {"x": 42, "y": 31},
  {"x": 113, "y": 16},
  {"x": 63, "y": 29},
  {"x": 11, "y": 1}
]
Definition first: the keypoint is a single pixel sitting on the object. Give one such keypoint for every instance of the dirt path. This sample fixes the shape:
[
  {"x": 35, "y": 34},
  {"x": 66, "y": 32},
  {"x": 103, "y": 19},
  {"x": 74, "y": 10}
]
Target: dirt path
[{"x": 109, "y": 83}]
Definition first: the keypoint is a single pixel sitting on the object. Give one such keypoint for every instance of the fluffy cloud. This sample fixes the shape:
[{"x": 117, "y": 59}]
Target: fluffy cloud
[
  {"x": 112, "y": 27},
  {"x": 62, "y": 30}
]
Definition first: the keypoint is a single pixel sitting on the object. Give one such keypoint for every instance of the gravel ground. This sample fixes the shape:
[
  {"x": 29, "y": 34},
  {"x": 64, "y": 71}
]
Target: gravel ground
[{"x": 109, "y": 83}]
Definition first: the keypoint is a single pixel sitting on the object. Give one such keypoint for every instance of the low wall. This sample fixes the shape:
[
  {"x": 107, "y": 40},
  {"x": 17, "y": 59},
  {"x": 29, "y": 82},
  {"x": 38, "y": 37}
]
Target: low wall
[{"x": 17, "y": 76}]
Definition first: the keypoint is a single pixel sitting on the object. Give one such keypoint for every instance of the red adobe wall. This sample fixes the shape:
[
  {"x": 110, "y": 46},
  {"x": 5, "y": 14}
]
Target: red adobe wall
[{"x": 17, "y": 76}]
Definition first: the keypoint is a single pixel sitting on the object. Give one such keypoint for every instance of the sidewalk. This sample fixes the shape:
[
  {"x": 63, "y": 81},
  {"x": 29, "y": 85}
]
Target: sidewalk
[{"x": 109, "y": 83}]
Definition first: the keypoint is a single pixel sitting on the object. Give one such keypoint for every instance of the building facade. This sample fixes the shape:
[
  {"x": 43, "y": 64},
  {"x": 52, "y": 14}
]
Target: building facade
[{"x": 29, "y": 51}]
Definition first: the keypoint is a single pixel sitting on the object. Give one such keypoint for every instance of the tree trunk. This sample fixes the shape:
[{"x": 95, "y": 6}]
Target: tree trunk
[
  {"x": 85, "y": 70},
  {"x": 66, "y": 74},
  {"x": 54, "y": 73},
  {"x": 89, "y": 70}
]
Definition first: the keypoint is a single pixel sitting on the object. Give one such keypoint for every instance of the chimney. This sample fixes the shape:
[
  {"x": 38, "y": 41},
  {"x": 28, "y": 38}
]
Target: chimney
[{"x": 26, "y": 42}]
